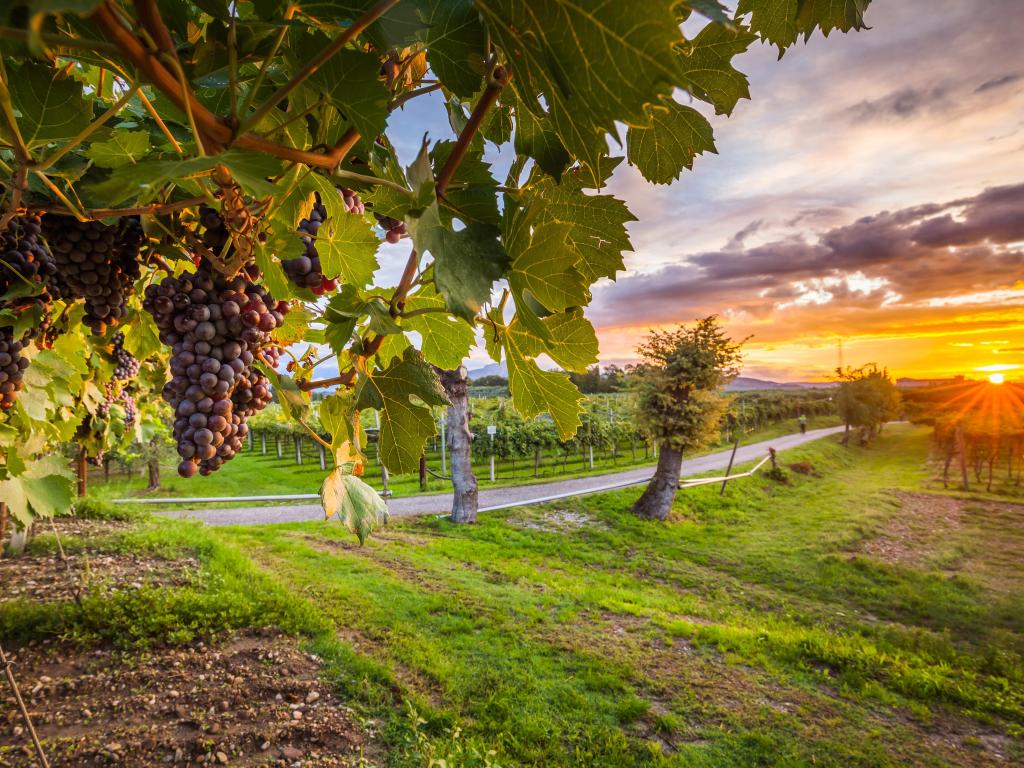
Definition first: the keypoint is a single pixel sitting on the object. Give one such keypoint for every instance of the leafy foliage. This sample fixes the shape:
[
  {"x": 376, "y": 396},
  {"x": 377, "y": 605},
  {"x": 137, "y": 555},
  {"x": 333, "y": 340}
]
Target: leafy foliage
[{"x": 147, "y": 112}]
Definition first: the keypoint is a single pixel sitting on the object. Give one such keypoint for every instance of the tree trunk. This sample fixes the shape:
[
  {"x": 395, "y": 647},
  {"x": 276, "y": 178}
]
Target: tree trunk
[
  {"x": 656, "y": 501},
  {"x": 3, "y": 527},
  {"x": 153, "y": 465},
  {"x": 83, "y": 472},
  {"x": 846, "y": 436},
  {"x": 423, "y": 473},
  {"x": 460, "y": 443}
]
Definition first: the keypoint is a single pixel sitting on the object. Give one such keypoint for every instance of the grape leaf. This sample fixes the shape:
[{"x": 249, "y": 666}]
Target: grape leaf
[
  {"x": 572, "y": 342},
  {"x": 294, "y": 328},
  {"x": 350, "y": 80},
  {"x": 707, "y": 68},
  {"x": 598, "y": 223},
  {"x": 358, "y": 506},
  {"x": 595, "y": 63},
  {"x": 477, "y": 202},
  {"x": 404, "y": 424},
  {"x": 677, "y": 134},
  {"x": 49, "y": 105},
  {"x": 466, "y": 263},
  {"x": 543, "y": 263},
  {"x": 445, "y": 340},
  {"x": 535, "y": 391},
  {"x": 828, "y": 15},
  {"x": 347, "y": 247},
  {"x": 122, "y": 148},
  {"x": 537, "y": 138},
  {"x": 773, "y": 20},
  {"x": 711, "y": 9},
  {"x": 454, "y": 38}
]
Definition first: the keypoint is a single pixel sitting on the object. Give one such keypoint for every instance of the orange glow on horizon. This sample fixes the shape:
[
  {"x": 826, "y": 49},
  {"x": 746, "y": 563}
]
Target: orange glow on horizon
[{"x": 996, "y": 378}]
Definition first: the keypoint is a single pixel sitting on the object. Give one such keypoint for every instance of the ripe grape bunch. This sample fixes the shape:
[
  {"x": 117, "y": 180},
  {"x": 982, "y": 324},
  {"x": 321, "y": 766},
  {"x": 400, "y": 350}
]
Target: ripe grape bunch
[
  {"x": 118, "y": 389},
  {"x": 305, "y": 271},
  {"x": 216, "y": 328},
  {"x": 97, "y": 262},
  {"x": 394, "y": 229},
  {"x": 26, "y": 267}
]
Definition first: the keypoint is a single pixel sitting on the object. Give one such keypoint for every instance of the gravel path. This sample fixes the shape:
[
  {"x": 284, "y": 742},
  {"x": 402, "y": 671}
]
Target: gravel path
[{"x": 499, "y": 498}]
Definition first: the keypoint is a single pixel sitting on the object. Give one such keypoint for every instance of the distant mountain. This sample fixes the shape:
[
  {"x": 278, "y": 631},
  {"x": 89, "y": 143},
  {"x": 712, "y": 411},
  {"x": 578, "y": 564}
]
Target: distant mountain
[
  {"x": 493, "y": 369},
  {"x": 746, "y": 384}
]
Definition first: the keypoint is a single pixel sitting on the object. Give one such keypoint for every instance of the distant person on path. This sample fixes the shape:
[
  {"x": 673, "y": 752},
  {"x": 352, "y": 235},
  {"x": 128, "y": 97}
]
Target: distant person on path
[{"x": 803, "y": 424}]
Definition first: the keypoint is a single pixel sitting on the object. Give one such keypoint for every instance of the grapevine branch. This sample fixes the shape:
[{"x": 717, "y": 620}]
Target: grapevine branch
[
  {"x": 371, "y": 345},
  {"x": 6, "y": 663},
  {"x": 216, "y": 133},
  {"x": 499, "y": 79},
  {"x": 155, "y": 209}
]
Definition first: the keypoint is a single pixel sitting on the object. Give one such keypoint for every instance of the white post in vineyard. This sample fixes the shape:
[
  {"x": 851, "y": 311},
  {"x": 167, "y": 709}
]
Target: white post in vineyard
[
  {"x": 491, "y": 430},
  {"x": 444, "y": 445}
]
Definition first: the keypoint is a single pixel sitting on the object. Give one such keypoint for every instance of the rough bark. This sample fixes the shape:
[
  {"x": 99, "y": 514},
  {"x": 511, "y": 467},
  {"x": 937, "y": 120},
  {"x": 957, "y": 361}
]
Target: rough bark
[
  {"x": 460, "y": 443},
  {"x": 656, "y": 501},
  {"x": 82, "y": 468},
  {"x": 153, "y": 467}
]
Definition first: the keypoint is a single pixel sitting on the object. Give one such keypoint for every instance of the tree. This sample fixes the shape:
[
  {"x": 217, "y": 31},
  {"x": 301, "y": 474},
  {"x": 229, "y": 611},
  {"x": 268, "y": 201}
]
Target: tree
[
  {"x": 235, "y": 161},
  {"x": 679, "y": 402},
  {"x": 490, "y": 381},
  {"x": 867, "y": 398},
  {"x": 460, "y": 446}
]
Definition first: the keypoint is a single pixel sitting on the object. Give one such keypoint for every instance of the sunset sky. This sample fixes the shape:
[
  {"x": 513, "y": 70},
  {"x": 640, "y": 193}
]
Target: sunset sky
[{"x": 871, "y": 191}]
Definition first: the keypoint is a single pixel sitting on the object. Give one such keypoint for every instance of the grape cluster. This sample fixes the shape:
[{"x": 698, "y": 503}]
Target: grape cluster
[
  {"x": 12, "y": 367},
  {"x": 118, "y": 388},
  {"x": 216, "y": 327},
  {"x": 25, "y": 263},
  {"x": 126, "y": 364},
  {"x": 394, "y": 229},
  {"x": 305, "y": 271},
  {"x": 97, "y": 262}
]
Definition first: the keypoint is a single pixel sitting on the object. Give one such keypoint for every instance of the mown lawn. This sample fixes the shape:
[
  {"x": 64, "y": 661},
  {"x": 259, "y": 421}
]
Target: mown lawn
[
  {"x": 843, "y": 618},
  {"x": 254, "y": 473}
]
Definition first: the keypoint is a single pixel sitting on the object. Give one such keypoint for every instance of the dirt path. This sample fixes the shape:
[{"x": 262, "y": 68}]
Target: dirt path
[{"x": 500, "y": 498}]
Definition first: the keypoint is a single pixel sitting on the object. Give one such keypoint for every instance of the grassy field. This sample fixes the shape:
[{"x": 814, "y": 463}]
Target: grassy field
[
  {"x": 253, "y": 473},
  {"x": 842, "y": 618}
]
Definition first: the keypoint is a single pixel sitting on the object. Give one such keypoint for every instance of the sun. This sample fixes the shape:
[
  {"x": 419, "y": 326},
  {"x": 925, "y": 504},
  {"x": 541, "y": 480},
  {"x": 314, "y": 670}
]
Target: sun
[{"x": 996, "y": 378}]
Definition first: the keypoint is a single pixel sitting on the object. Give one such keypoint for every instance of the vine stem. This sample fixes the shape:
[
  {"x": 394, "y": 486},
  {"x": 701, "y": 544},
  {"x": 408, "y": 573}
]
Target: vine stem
[
  {"x": 21, "y": 153},
  {"x": 270, "y": 57},
  {"x": 89, "y": 130},
  {"x": 6, "y": 663},
  {"x": 398, "y": 101},
  {"x": 350, "y": 33},
  {"x": 499, "y": 79},
  {"x": 72, "y": 208},
  {"x": 155, "y": 209},
  {"x": 160, "y": 122},
  {"x": 314, "y": 435},
  {"x": 373, "y": 180}
]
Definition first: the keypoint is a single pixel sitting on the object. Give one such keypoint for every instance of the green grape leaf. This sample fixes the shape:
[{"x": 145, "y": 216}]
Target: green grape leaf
[
  {"x": 141, "y": 337},
  {"x": 350, "y": 81},
  {"x": 48, "y": 105},
  {"x": 477, "y": 202},
  {"x": 536, "y": 137},
  {"x": 677, "y": 134},
  {"x": 405, "y": 424},
  {"x": 711, "y": 9},
  {"x": 454, "y": 38},
  {"x": 535, "y": 391},
  {"x": 595, "y": 63},
  {"x": 293, "y": 401},
  {"x": 598, "y": 223},
  {"x": 445, "y": 340},
  {"x": 358, "y": 506},
  {"x": 572, "y": 342},
  {"x": 543, "y": 263},
  {"x": 773, "y": 20},
  {"x": 122, "y": 148},
  {"x": 466, "y": 263},
  {"x": 828, "y": 15},
  {"x": 707, "y": 68},
  {"x": 347, "y": 246},
  {"x": 296, "y": 322}
]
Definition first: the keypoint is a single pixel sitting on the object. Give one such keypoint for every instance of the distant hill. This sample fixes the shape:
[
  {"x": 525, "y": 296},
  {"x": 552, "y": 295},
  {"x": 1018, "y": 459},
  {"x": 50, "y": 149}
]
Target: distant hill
[
  {"x": 494, "y": 369},
  {"x": 746, "y": 384}
]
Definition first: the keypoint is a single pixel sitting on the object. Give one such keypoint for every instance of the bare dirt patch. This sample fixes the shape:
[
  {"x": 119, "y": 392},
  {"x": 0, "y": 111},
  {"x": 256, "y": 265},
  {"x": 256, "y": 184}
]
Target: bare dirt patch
[
  {"x": 557, "y": 521},
  {"x": 252, "y": 700},
  {"x": 908, "y": 538},
  {"x": 47, "y": 578}
]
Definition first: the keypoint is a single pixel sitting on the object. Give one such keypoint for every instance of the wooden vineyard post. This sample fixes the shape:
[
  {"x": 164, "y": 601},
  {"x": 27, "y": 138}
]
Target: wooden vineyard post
[
  {"x": 6, "y": 663},
  {"x": 962, "y": 449},
  {"x": 277, "y": 444},
  {"x": 423, "y": 473},
  {"x": 298, "y": 449},
  {"x": 263, "y": 442},
  {"x": 323, "y": 458},
  {"x": 728, "y": 470}
]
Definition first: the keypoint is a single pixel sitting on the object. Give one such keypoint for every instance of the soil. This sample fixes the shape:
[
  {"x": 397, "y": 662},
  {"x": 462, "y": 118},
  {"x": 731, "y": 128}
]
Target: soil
[
  {"x": 909, "y": 536},
  {"x": 254, "y": 699}
]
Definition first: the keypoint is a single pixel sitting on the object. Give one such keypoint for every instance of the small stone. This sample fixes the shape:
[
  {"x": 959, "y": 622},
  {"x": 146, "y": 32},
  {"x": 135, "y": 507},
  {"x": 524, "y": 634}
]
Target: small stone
[
  {"x": 312, "y": 696},
  {"x": 297, "y": 714},
  {"x": 291, "y": 753},
  {"x": 264, "y": 746},
  {"x": 222, "y": 758}
]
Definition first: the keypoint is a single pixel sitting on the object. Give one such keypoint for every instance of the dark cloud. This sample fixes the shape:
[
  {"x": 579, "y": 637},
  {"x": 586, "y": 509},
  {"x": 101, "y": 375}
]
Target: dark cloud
[
  {"x": 902, "y": 104},
  {"x": 997, "y": 82},
  {"x": 736, "y": 241},
  {"x": 916, "y": 254}
]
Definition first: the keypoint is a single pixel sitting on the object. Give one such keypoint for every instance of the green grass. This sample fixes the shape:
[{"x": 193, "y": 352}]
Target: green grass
[
  {"x": 253, "y": 473},
  {"x": 754, "y": 628}
]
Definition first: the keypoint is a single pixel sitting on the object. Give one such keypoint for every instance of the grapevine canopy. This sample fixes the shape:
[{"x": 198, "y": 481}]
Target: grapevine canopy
[{"x": 262, "y": 109}]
